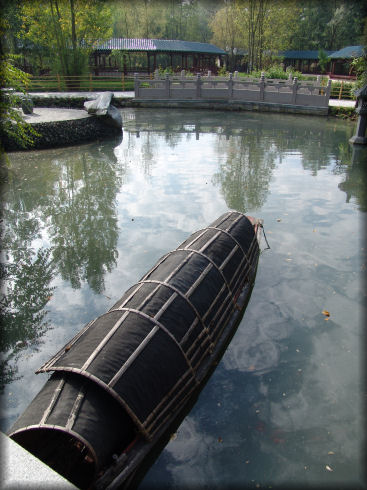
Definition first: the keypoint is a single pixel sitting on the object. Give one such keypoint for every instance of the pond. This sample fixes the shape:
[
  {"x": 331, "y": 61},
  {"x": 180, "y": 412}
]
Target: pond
[{"x": 82, "y": 224}]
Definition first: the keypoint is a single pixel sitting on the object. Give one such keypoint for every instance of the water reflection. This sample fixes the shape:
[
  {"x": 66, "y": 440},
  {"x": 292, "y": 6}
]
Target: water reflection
[
  {"x": 60, "y": 218},
  {"x": 284, "y": 403},
  {"x": 23, "y": 313},
  {"x": 82, "y": 218}
]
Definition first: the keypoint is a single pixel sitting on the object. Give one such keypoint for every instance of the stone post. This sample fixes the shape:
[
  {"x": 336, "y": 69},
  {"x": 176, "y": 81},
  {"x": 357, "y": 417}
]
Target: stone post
[
  {"x": 328, "y": 92},
  {"x": 183, "y": 73},
  {"x": 230, "y": 86},
  {"x": 294, "y": 90},
  {"x": 167, "y": 85},
  {"x": 262, "y": 86},
  {"x": 361, "y": 110},
  {"x": 198, "y": 86},
  {"x": 136, "y": 85}
]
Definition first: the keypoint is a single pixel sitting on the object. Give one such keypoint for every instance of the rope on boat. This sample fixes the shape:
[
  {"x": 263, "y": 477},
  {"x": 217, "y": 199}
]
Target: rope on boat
[{"x": 266, "y": 240}]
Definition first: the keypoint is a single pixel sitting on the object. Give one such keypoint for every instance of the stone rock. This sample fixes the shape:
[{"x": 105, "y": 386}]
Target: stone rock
[
  {"x": 102, "y": 108},
  {"x": 100, "y": 105}
]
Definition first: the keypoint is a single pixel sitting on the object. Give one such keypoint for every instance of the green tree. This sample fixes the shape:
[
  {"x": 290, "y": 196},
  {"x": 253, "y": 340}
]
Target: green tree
[
  {"x": 13, "y": 127},
  {"x": 69, "y": 29},
  {"x": 323, "y": 60},
  {"x": 260, "y": 27},
  {"x": 13, "y": 83},
  {"x": 329, "y": 25}
]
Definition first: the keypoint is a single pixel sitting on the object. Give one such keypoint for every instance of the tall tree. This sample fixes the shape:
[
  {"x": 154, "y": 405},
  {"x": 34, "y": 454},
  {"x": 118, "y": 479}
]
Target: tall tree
[
  {"x": 328, "y": 25},
  {"x": 68, "y": 28}
]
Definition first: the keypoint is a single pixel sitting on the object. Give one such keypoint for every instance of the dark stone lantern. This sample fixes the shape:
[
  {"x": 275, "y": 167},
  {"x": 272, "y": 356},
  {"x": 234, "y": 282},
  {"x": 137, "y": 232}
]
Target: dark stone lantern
[{"x": 361, "y": 110}]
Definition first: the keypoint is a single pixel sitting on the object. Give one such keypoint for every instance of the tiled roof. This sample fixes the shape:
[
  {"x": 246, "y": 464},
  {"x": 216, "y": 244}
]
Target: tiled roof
[
  {"x": 348, "y": 52},
  {"x": 159, "y": 45},
  {"x": 302, "y": 55}
]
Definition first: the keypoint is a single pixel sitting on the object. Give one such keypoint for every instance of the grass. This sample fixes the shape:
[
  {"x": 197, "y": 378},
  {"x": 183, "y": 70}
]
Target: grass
[{"x": 343, "y": 113}]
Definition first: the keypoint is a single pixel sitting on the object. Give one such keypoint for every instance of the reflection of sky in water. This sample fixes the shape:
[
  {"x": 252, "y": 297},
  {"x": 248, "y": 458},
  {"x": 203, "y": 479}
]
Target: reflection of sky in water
[{"x": 284, "y": 405}]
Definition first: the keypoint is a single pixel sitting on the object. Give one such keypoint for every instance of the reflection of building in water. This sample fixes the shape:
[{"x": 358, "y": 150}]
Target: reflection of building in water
[{"x": 355, "y": 184}]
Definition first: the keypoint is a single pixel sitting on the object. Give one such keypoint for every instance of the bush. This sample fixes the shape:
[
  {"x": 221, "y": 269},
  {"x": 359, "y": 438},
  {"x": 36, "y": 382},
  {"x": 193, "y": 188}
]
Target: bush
[{"x": 276, "y": 71}]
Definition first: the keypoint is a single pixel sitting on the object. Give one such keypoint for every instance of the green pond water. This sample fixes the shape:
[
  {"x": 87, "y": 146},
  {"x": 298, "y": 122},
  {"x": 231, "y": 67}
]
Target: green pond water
[{"x": 284, "y": 407}]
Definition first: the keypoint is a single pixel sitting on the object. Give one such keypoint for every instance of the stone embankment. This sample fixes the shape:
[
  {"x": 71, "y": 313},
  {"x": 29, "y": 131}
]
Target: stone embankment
[{"x": 63, "y": 127}]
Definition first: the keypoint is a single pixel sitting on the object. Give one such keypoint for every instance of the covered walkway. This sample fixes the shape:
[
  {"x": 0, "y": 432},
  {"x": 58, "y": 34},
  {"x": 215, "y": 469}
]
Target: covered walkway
[{"x": 146, "y": 55}]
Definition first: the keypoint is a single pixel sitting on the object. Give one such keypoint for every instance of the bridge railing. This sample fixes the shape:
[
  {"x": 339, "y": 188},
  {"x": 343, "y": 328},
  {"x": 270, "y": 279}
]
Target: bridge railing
[{"x": 234, "y": 88}]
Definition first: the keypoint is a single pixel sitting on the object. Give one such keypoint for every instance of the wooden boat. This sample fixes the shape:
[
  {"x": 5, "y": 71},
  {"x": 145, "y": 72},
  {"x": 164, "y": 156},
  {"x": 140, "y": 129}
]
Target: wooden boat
[{"x": 119, "y": 386}]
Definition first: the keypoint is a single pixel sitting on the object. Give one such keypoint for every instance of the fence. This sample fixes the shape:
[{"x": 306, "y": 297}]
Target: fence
[
  {"x": 58, "y": 83},
  {"x": 236, "y": 88}
]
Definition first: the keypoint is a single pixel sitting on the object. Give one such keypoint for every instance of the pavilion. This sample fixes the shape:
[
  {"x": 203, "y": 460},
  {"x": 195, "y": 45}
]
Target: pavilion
[
  {"x": 341, "y": 60},
  {"x": 146, "y": 55},
  {"x": 304, "y": 61}
]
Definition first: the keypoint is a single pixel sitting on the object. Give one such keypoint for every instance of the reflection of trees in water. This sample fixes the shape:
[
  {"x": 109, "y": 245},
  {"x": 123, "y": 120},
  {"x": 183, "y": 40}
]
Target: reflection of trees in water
[
  {"x": 73, "y": 198},
  {"x": 82, "y": 219},
  {"x": 23, "y": 317},
  {"x": 246, "y": 172},
  {"x": 317, "y": 148},
  {"x": 26, "y": 274}
]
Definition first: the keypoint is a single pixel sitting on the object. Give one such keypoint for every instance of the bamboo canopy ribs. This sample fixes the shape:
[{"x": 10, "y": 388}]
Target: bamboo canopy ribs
[{"x": 118, "y": 383}]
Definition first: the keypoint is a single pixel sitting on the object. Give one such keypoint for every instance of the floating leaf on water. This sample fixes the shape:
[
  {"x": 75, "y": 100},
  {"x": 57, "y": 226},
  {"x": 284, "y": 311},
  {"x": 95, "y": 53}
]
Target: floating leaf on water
[
  {"x": 173, "y": 436},
  {"x": 279, "y": 220},
  {"x": 329, "y": 468},
  {"x": 220, "y": 439},
  {"x": 331, "y": 452},
  {"x": 325, "y": 312}
]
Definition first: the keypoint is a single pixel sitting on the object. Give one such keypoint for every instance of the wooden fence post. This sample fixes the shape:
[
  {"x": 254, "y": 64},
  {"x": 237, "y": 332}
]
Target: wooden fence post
[
  {"x": 341, "y": 90},
  {"x": 90, "y": 82},
  {"x": 58, "y": 82},
  {"x": 123, "y": 81}
]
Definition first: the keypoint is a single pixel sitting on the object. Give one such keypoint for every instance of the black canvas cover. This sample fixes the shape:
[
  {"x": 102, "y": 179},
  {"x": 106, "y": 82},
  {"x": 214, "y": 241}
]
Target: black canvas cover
[{"x": 129, "y": 368}]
